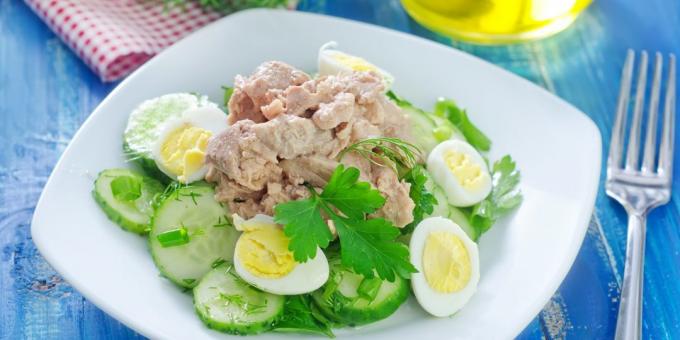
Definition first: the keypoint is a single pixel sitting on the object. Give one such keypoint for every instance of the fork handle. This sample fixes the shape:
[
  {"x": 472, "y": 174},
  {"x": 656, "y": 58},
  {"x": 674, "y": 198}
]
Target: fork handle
[{"x": 629, "y": 321}]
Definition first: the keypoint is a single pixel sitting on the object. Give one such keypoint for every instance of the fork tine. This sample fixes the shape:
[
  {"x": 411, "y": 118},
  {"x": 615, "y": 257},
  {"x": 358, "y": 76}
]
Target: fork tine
[
  {"x": 665, "y": 167},
  {"x": 616, "y": 143},
  {"x": 650, "y": 139},
  {"x": 633, "y": 152}
]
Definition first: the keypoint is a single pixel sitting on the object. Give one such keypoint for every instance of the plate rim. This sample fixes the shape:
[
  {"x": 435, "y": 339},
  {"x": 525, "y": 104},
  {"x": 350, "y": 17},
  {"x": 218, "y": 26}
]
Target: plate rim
[{"x": 100, "y": 302}]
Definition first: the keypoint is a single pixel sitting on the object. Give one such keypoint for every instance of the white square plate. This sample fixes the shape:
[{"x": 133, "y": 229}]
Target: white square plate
[{"x": 523, "y": 258}]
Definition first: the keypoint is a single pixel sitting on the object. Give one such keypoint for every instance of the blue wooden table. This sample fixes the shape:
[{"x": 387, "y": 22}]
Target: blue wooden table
[{"x": 46, "y": 93}]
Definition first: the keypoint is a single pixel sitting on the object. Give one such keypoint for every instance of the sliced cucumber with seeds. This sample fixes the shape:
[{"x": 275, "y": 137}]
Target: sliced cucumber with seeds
[
  {"x": 226, "y": 303},
  {"x": 341, "y": 299},
  {"x": 143, "y": 128},
  {"x": 130, "y": 205},
  {"x": 190, "y": 233}
]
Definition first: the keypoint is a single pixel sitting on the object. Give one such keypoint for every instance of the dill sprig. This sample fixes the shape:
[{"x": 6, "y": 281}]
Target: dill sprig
[
  {"x": 239, "y": 301},
  {"x": 385, "y": 151}
]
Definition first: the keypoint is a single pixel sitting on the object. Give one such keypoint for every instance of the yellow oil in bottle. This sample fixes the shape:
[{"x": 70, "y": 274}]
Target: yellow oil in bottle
[{"x": 495, "y": 21}]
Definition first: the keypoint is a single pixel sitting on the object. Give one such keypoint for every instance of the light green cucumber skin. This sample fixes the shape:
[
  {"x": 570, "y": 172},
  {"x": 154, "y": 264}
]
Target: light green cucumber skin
[
  {"x": 423, "y": 125},
  {"x": 151, "y": 186},
  {"x": 444, "y": 209},
  {"x": 459, "y": 217},
  {"x": 422, "y": 128},
  {"x": 155, "y": 247},
  {"x": 354, "y": 315},
  {"x": 145, "y": 121},
  {"x": 236, "y": 328}
]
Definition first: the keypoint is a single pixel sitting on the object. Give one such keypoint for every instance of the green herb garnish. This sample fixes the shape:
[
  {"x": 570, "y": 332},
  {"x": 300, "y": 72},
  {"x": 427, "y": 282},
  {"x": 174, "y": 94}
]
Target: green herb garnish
[
  {"x": 222, "y": 222},
  {"x": 300, "y": 316},
  {"x": 174, "y": 237},
  {"x": 367, "y": 245},
  {"x": 189, "y": 282},
  {"x": 218, "y": 262},
  {"x": 126, "y": 188},
  {"x": 505, "y": 196},
  {"x": 191, "y": 194},
  {"x": 423, "y": 199},
  {"x": 448, "y": 109},
  {"x": 249, "y": 308},
  {"x": 385, "y": 151}
]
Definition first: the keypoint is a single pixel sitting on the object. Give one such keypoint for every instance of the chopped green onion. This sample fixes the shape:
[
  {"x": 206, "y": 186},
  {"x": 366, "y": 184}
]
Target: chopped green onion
[
  {"x": 126, "y": 188},
  {"x": 189, "y": 281},
  {"x": 368, "y": 288},
  {"x": 172, "y": 238},
  {"x": 448, "y": 109}
]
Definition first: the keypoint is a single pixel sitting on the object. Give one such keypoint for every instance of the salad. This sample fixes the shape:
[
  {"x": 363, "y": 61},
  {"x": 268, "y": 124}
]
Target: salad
[{"x": 306, "y": 203}]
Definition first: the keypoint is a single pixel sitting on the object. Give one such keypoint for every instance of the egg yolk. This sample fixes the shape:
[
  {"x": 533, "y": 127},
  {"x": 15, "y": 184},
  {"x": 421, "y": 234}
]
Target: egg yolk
[
  {"x": 468, "y": 173},
  {"x": 446, "y": 262},
  {"x": 183, "y": 150},
  {"x": 264, "y": 252},
  {"x": 354, "y": 63}
]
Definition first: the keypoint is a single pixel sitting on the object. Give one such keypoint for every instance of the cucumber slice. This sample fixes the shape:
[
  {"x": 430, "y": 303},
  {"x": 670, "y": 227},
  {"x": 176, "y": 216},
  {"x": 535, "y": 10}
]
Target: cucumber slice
[
  {"x": 429, "y": 130},
  {"x": 422, "y": 128},
  {"x": 442, "y": 208},
  {"x": 341, "y": 302},
  {"x": 142, "y": 129},
  {"x": 226, "y": 303},
  {"x": 211, "y": 235},
  {"x": 132, "y": 215},
  {"x": 459, "y": 217}
]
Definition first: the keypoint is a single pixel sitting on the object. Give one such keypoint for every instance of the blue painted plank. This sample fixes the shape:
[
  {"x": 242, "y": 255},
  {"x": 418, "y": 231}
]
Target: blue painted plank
[{"x": 45, "y": 94}]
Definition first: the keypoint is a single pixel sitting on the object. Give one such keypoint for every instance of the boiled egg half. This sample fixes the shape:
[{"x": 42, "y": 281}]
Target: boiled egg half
[
  {"x": 460, "y": 171},
  {"x": 334, "y": 62},
  {"x": 180, "y": 149},
  {"x": 448, "y": 266},
  {"x": 262, "y": 259}
]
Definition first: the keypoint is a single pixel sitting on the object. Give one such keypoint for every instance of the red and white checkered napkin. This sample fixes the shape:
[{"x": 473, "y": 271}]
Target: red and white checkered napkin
[{"x": 114, "y": 37}]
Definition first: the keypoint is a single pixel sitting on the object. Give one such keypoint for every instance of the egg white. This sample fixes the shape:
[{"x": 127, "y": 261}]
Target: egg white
[
  {"x": 442, "y": 175},
  {"x": 436, "y": 303},
  {"x": 304, "y": 278},
  {"x": 208, "y": 118},
  {"x": 329, "y": 65}
]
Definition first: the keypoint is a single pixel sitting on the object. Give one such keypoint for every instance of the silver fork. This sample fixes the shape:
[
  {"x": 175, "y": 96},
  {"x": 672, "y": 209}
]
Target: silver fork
[{"x": 640, "y": 188}]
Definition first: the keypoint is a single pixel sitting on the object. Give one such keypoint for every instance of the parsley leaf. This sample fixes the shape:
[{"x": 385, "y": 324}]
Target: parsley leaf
[
  {"x": 299, "y": 316},
  {"x": 228, "y": 91},
  {"x": 352, "y": 198},
  {"x": 504, "y": 196},
  {"x": 367, "y": 246},
  {"x": 304, "y": 226},
  {"x": 126, "y": 188},
  {"x": 423, "y": 199},
  {"x": 447, "y": 108}
]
